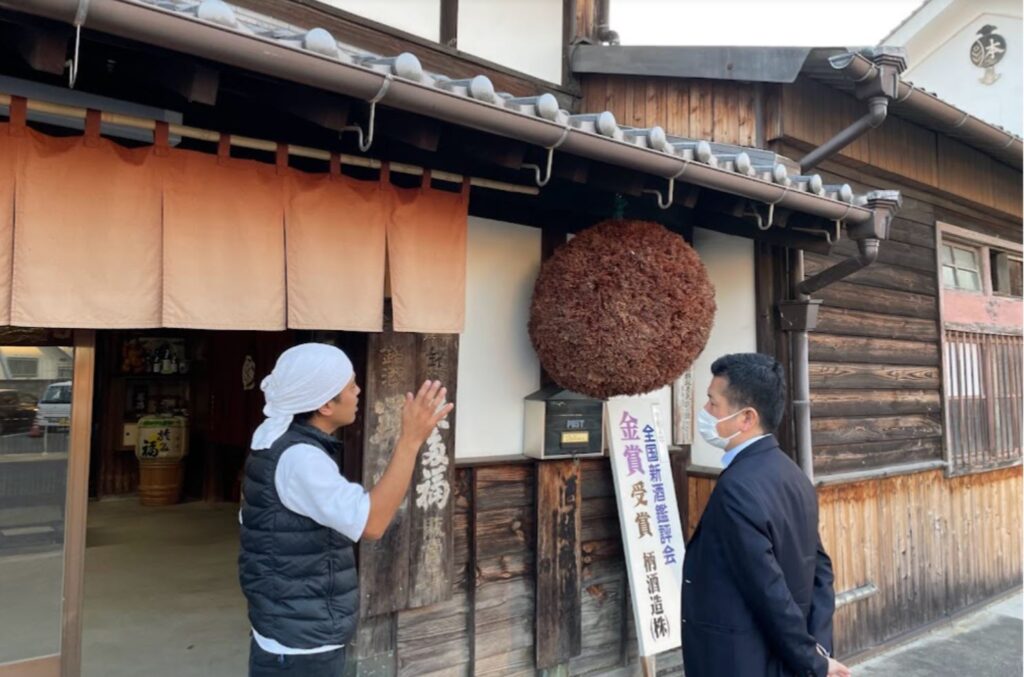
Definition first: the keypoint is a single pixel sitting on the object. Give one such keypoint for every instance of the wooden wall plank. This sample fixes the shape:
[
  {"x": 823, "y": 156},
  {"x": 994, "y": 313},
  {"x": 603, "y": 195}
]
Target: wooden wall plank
[
  {"x": 862, "y": 323},
  {"x": 702, "y": 123},
  {"x": 887, "y": 301},
  {"x": 880, "y": 275},
  {"x": 874, "y": 429},
  {"x": 841, "y": 458},
  {"x": 838, "y": 402},
  {"x": 880, "y": 376},
  {"x": 558, "y": 613},
  {"x": 829, "y": 348},
  {"x": 896, "y": 253}
]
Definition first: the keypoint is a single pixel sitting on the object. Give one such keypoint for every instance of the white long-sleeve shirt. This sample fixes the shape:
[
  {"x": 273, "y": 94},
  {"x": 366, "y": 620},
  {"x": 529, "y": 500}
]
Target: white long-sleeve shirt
[{"x": 308, "y": 483}]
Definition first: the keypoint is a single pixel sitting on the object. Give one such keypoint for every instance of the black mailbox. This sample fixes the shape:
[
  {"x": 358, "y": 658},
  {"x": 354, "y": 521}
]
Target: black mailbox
[{"x": 563, "y": 424}]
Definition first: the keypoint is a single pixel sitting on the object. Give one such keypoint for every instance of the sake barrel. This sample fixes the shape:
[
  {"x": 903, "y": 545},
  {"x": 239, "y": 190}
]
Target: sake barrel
[{"x": 161, "y": 446}]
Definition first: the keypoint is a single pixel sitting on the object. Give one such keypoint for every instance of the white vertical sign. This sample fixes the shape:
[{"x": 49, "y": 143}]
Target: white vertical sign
[{"x": 652, "y": 533}]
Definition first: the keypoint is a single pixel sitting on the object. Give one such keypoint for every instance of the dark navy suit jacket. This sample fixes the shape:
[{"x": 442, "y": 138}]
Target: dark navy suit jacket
[{"x": 757, "y": 584}]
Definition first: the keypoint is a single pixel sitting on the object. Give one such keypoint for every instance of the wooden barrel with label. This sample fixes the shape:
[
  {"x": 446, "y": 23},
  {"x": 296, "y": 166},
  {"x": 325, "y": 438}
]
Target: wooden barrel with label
[{"x": 161, "y": 447}]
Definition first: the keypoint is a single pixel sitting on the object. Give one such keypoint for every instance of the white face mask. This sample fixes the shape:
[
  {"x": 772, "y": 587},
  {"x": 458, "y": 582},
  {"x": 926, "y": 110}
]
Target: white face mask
[{"x": 707, "y": 426}]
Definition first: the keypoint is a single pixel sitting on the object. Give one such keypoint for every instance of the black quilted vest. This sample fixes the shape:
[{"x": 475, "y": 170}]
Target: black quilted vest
[{"x": 299, "y": 576}]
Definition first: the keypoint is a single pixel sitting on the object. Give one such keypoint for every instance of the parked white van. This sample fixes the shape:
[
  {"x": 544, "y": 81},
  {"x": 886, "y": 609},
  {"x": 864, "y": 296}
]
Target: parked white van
[{"x": 54, "y": 414}]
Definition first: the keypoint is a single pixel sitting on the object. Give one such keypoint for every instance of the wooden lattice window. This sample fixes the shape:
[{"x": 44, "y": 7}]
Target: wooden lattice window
[{"x": 983, "y": 399}]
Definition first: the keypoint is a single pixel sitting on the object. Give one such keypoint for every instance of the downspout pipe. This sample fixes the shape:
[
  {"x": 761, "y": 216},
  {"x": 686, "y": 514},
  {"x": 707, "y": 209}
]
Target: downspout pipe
[
  {"x": 878, "y": 109},
  {"x": 878, "y": 85},
  {"x": 605, "y": 34},
  {"x": 799, "y": 316}
]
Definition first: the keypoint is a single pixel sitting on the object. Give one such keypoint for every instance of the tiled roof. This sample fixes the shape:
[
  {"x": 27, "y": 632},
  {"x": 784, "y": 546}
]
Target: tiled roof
[{"x": 750, "y": 172}]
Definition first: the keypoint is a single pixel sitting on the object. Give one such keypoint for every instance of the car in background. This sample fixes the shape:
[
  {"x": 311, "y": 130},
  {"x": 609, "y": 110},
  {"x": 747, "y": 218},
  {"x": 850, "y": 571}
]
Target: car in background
[
  {"x": 17, "y": 412},
  {"x": 53, "y": 410}
]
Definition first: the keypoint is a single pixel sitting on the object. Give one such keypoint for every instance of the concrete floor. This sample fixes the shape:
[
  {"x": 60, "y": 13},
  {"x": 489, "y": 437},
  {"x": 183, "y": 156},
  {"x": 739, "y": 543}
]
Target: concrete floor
[
  {"x": 986, "y": 643},
  {"x": 161, "y": 591}
]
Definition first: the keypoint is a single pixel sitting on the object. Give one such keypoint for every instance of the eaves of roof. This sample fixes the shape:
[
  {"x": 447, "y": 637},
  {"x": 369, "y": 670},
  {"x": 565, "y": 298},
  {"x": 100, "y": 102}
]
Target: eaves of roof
[
  {"x": 838, "y": 67},
  {"x": 219, "y": 32}
]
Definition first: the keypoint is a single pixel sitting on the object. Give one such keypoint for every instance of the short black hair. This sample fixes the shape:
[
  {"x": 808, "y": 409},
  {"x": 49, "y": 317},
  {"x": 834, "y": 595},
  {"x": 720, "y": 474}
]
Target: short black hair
[
  {"x": 756, "y": 381},
  {"x": 306, "y": 416}
]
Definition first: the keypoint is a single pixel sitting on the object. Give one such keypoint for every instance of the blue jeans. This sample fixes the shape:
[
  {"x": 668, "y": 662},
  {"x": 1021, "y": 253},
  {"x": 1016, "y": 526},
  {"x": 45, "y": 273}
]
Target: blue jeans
[{"x": 264, "y": 664}]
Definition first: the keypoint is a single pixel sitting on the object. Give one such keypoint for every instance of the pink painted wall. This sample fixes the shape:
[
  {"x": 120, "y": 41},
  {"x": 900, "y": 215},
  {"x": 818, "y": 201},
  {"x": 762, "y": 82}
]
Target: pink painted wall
[{"x": 997, "y": 312}]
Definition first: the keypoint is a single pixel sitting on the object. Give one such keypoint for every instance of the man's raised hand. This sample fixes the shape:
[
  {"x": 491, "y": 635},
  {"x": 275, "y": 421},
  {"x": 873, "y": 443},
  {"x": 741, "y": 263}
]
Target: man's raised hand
[{"x": 423, "y": 411}]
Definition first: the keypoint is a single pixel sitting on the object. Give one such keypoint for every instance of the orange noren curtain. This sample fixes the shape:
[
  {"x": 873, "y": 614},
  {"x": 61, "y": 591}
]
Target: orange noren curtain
[
  {"x": 95, "y": 235},
  {"x": 87, "y": 236},
  {"x": 335, "y": 250},
  {"x": 427, "y": 257},
  {"x": 224, "y": 265},
  {"x": 8, "y": 153}
]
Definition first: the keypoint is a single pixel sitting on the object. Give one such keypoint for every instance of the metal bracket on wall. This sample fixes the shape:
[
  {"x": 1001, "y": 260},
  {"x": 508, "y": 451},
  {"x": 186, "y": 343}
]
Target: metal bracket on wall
[{"x": 365, "y": 143}]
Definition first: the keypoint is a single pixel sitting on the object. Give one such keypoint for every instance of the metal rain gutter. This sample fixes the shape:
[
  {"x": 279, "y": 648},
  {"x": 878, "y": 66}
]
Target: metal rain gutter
[
  {"x": 230, "y": 44},
  {"x": 1004, "y": 145}
]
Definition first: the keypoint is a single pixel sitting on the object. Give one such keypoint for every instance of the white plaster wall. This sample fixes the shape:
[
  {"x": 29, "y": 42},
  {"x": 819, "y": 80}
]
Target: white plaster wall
[
  {"x": 730, "y": 264},
  {"x": 419, "y": 17},
  {"x": 525, "y": 35},
  {"x": 497, "y": 364},
  {"x": 938, "y": 55}
]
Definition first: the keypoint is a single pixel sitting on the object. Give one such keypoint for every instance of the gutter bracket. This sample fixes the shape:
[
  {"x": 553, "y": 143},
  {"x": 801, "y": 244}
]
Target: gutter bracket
[
  {"x": 72, "y": 63},
  {"x": 366, "y": 141},
  {"x": 543, "y": 181},
  {"x": 671, "y": 188},
  {"x": 671, "y": 194}
]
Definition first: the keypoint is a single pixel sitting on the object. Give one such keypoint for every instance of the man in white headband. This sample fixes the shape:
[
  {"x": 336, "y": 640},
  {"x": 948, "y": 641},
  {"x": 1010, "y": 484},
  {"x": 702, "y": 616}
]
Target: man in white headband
[{"x": 300, "y": 516}]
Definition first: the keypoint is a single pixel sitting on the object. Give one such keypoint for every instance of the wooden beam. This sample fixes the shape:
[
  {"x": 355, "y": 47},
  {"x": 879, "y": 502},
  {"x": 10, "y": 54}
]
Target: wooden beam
[
  {"x": 194, "y": 82},
  {"x": 44, "y": 49},
  {"x": 559, "y": 609}
]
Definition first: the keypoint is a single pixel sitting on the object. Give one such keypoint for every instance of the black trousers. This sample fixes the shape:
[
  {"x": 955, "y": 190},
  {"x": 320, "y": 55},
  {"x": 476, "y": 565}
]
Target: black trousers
[{"x": 264, "y": 664}]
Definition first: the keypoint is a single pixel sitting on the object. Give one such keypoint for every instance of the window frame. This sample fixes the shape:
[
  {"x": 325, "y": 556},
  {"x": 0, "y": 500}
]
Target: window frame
[
  {"x": 983, "y": 246},
  {"x": 22, "y": 360},
  {"x": 976, "y": 252}
]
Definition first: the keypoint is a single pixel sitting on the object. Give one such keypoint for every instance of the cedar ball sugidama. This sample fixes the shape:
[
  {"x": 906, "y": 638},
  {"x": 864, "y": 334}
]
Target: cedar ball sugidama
[{"x": 623, "y": 308}]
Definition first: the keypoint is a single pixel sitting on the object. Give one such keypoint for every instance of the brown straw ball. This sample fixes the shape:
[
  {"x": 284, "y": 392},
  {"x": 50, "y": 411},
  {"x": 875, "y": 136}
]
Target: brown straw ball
[{"x": 623, "y": 308}]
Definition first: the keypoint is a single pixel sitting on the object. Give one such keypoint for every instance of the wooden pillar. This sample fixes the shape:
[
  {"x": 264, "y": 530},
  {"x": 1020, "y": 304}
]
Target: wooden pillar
[
  {"x": 559, "y": 611},
  {"x": 679, "y": 459},
  {"x": 77, "y": 501},
  {"x": 412, "y": 565}
]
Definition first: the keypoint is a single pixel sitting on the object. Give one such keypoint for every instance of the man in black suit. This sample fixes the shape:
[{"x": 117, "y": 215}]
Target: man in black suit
[{"x": 757, "y": 584}]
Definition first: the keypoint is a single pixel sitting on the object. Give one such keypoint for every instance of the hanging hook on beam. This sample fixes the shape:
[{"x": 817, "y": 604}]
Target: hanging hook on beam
[
  {"x": 72, "y": 63},
  {"x": 366, "y": 141},
  {"x": 543, "y": 180}
]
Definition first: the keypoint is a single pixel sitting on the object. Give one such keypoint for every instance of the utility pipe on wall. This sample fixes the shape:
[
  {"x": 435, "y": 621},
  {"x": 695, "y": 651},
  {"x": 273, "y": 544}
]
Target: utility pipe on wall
[{"x": 800, "y": 315}]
